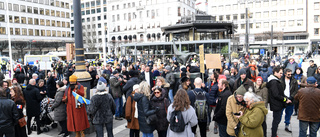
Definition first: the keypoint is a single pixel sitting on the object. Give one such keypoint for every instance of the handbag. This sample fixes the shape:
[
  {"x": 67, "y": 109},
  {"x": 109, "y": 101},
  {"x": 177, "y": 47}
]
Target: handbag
[
  {"x": 152, "y": 119},
  {"x": 22, "y": 122}
]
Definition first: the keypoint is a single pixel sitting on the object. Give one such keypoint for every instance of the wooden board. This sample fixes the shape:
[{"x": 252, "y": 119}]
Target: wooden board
[
  {"x": 213, "y": 61},
  {"x": 201, "y": 52}
]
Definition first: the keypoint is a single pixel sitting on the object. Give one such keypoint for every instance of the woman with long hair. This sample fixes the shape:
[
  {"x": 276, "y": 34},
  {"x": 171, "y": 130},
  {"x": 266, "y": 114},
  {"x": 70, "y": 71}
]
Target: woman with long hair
[
  {"x": 17, "y": 97},
  {"x": 159, "y": 100},
  {"x": 182, "y": 103},
  {"x": 161, "y": 83},
  {"x": 144, "y": 109},
  {"x": 317, "y": 75}
]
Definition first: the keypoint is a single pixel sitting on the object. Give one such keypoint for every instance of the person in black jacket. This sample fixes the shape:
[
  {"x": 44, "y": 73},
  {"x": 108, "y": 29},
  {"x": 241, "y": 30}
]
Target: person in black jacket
[
  {"x": 59, "y": 68},
  {"x": 277, "y": 99},
  {"x": 19, "y": 76},
  {"x": 220, "y": 111},
  {"x": 128, "y": 87},
  {"x": 33, "y": 99},
  {"x": 16, "y": 96},
  {"x": 51, "y": 85},
  {"x": 9, "y": 115},
  {"x": 147, "y": 76},
  {"x": 213, "y": 91},
  {"x": 311, "y": 69}
]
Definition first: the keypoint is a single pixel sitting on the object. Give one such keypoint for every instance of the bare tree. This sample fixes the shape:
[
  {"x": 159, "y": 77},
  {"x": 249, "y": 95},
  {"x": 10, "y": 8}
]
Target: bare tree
[
  {"x": 40, "y": 45},
  {"x": 3, "y": 46},
  {"x": 90, "y": 35},
  {"x": 20, "y": 45},
  {"x": 276, "y": 35}
]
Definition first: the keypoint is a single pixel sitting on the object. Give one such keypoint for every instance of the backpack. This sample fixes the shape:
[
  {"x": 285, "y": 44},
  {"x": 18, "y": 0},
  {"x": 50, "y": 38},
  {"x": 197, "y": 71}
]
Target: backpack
[
  {"x": 201, "y": 106},
  {"x": 264, "y": 76},
  {"x": 177, "y": 123},
  {"x": 251, "y": 74}
]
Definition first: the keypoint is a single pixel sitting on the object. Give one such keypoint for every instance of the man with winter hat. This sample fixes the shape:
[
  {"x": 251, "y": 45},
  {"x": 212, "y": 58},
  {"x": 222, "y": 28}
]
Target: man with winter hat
[
  {"x": 171, "y": 80},
  {"x": 243, "y": 80},
  {"x": 115, "y": 86},
  {"x": 101, "y": 109}
]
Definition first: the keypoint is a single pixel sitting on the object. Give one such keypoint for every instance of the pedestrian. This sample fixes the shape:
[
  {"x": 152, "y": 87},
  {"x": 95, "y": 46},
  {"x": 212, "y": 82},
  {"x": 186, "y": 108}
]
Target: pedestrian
[
  {"x": 33, "y": 99},
  {"x": 59, "y": 109},
  {"x": 251, "y": 121},
  {"x": 147, "y": 75},
  {"x": 144, "y": 110},
  {"x": 77, "y": 119},
  {"x": 277, "y": 99},
  {"x": 264, "y": 72},
  {"x": 51, "y": 85},
  {"x": 161, "y": 82},
  {"x": 115, "y": 86},
  {"x": 290, "y": 90},
  {"x": 309, "y": 102},
  {"x": 5, "y": 87},
  {"x": 311, "y": 69},
  {"x": 128, "y": 87},
  {"x": 17, "y": 97},
  {"x": 182, "y": 103},
  {"x": 317, "y": 76},
  {"x": 213, "y": 92},
  {"x": 235, "y": 104},
  {"x": 292, "y": 65},
  {"x": 243, "y": 80},
  {"x": 185, "y": 83},
  {"x": 42, "y": 88},
  {"x": 9, "y": 115},
  {"x": 302, "y": 82},
  {"x": 171, "y": 80},
  {"x": 101, "y": 109},
  {"x": 262, "y": 91},
  {"x": 197, "y": 97},
  {"x": 159, "y": 100},
  {"x": 132, "y": 113},
  {"x": 220, "y": 110}
]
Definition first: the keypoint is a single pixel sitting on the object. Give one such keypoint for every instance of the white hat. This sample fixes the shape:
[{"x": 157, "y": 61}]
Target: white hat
[
  {"x": 101, "y": 86},
  {"x": 235, "y": 60},
  {"x": 135, "y": 87}
]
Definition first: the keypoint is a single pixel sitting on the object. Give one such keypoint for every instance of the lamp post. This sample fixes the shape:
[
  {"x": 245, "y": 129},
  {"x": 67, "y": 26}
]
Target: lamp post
[{"x": 9, "y": 39}]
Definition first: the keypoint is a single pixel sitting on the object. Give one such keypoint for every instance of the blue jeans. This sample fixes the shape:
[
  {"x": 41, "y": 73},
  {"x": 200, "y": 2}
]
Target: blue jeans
[
  {"x": 289, "y": 112},
  {"x": 60, "y": 76},
  {"x": 171, "y": 95},
  {"x": 313, "y": 128},
  {"x": 119, "y": 104},
  {"x": 99, "y": 129},
  {"x": 147, "y": 134},
  {"x": 223, "y": 130}
]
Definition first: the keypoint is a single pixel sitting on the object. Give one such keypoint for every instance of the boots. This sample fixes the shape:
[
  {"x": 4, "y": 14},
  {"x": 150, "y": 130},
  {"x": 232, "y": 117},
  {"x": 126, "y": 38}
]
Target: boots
[
  {"x": 82, "y": 133},
  {"x": 77, "y": 133}
]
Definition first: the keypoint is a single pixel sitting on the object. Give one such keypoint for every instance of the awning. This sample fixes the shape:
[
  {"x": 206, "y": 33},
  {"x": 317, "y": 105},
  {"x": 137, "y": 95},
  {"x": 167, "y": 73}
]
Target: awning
[
  {"x": 210, "y": 30},
  {"x": 177, "y": 31}
]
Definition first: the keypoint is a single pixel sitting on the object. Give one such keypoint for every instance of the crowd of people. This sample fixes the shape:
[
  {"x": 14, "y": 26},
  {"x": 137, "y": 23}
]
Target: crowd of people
[{"x": 170, "y": 98}]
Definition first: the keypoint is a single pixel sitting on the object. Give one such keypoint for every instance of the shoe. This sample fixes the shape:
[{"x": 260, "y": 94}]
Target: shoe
[
  {"x": 118, "y": 118},
  {"x": 208, "y": 129},
  {"x": 295, "y": 114},
  {"x": 66, "y": 135},
  {"x": 29, "y": 132},
  {"x": 287, "y": 129},
  {"x": 215, "y": 130},
  {"x": 39, "y": 132},
  {"x": 61, "y": 134}
]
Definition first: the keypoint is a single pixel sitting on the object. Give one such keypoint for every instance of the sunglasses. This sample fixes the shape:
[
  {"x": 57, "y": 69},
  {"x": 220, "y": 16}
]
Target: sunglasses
[{"x": 156, "y": 92}]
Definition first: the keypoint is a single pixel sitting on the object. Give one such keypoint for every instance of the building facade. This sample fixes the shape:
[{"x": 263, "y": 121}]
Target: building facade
[
  {"x": 140, "y": 21},
  {"x": 314, "y": 23},
  {"x": 289, "y": 19},
  {"x": 35, "y": 22}
]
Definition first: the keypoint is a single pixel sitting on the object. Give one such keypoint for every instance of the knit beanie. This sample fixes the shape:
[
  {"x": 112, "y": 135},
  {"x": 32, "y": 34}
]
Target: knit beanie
[
  {"x": 73, "y": 78},
  {"x": 242, "y": 71},
  {"x": 241, "y": 90},
  {"x": 102, "y": 79},
  {"x": 168, "y": 68},
  {"x": 101, "y": 86}
]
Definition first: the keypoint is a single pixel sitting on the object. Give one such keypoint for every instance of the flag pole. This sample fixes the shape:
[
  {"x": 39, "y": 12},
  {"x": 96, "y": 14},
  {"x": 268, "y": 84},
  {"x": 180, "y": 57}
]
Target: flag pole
[{"x": 9, "y": 40}]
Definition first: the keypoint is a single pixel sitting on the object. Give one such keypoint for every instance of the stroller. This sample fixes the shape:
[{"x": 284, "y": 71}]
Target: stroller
[{"x": 46, "y": 115}]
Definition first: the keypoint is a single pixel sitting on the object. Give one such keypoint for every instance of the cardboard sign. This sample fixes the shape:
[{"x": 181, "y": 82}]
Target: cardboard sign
[
  {"x": 213, "y": 61},
  {"x": 201, "y": 52},
  {"x": 45, "y": 65}
]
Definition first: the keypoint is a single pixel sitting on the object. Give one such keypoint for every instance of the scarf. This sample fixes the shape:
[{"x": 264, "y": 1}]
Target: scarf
[{"x": 135, "y": 110}]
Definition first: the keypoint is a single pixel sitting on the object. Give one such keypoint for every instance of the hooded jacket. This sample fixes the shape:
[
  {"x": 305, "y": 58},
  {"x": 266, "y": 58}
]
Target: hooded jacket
[
  {"x": 162, "y": 103},
  {"x": 128, "y": 87},
  {"x": 251, "y": 121},
  {"x": 220, "y": 111},
  {"x": 115, "y": 87},
  {"x": 277, "y": 98},
  {"x": 262, "y": 91},
  {"x": 60, "y": 112},
  {"x": 247, "y": 83},
  {"x": 232, "y": 107},
  {"x": 311, "y": 70},
  {"x": 144, "y": 110}
]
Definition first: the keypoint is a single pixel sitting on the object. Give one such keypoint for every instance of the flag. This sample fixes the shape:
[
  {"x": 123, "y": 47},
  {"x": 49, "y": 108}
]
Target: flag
[
  {"x": 19, "y": 106},
  {"x": 198, "y": 3},
  {"x": 80, "y": 98}
]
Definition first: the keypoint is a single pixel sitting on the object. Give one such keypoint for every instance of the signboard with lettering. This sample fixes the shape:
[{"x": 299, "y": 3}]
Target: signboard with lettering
[{"x": 201, "y": 52}]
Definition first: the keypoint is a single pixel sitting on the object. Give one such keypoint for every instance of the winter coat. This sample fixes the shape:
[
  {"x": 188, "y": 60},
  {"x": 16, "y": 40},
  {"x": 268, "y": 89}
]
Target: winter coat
[
  {"x": 262, "y": 91},
  {"x": 144, "y": 110},
  {"x": 9, "y": 115},
  {"x": 170, "y": 79},
  {"x": 253, "y": 68},
  {"x": 189, "y": 116},
  {"x": 142, "y": 77},
  {"x": 264, "y": 74},
  {"x": 251, "y": 121},
  {"x": 128, "y": 87},
  {"x": 317, "y": 76},
  {"x": 51, "y": 87},
  {"x": 232, "y": 107},
  {"x": 292, "y": 66},
  {"x": 311, "y": 70},
  {"x": 220, "y": 111},
  {"x": 277, "y": 98},
  {"x": 130, "y": 111},
  {"x": 60, "y": 111},
  {"x": 162, "y": 103},
  {"x": 293, "y": 87},
  {"x": 213, "y": 93},
  {"x": 20, "y": 131},
  {"x": 270, "y": 70},
  {"x": 43, "y": 89},
  {"x": 102, "y": 108},
  {"x": 33, "y": 99},
  {"x": 247, "y": 84},
  {"x": 115, "y": 86},
  {"x": 302, "y": 79},
  {"x": 20, "y": 77},
  {"x": 309, "y": 104}
]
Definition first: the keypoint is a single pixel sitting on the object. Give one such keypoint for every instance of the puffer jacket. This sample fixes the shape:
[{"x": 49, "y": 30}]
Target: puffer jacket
[
  {"x": 128, "y": 87},
  {"x": 60, "y": 112},
  {"x": 251, "y": 121},
  {"x": 232, "y": 107},
  {"x": 115, "y": 87},
  {"x": 9, "y": 115},
  {"x": 262, "y": 91},
  {"x": 162, "y": 103},
  {"x": 101, "y": 108},
  {"x": 277, "y": 98},
  {"x": 144, "y": 110}
]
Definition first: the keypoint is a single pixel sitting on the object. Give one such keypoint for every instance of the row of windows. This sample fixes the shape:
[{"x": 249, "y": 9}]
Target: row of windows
[
  {"x": 93, "y": 19},
  {"x": 257, "y": 4},
  {"x": 92, "y": 41},
  {"x": 258, "y": 25},
  {"x": 51, "y": 3},
  {"x": 35, "y": 32},
  {"x": 35, "y": 21},
  {"x": 92, "y": 11},
  {"x": 93, "y": 3},
  {"x": 265, "y": 14},
  {"x": 36, "y": 10},
  {"x": 135, "y": 27}
]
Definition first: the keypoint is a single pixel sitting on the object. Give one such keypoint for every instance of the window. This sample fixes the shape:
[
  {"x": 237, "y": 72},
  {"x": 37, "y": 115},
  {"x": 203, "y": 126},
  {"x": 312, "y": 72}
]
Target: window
[
  {"x": 98, "y": 10},
  {"x": 243, "y": 16},
  {"x": 274, "y": 13},
  {"x": 282, "y": 23},
  {"x": 16, "y": 19},
  {"x": 87, "y": 12},
  {"x": 266, "y": 24},
  {"x": 87, "y": 4},
  {"x": 316, "y": 5},
  {"x": 99, "y": 18},
  {"x": 2, "y": 30},
  {"x": 242, "y": 5},
  {"x": 118, "y": 17},
  {"x": 274, "y": 3},
  {"x": 266, "y": 3},
  {"x": 35, "y": 10},
  {"x": 23, "y": 20},
  {"x": 258, "y": 25},
  {"x": 63, "y": 34},
  {"x": 53, "y": 33},
  {"x": 93, "y": 18},
  {"x": 282, "y": 2},
  {"x": 2, "y": 18},
  {"x": 99, "y": 25},
  {"x": 93, "y": 3},
  {"x": 283, "y": 12},
  {"x": 104, "y": 1},
  {"x": 63, "y": 24},
  {"x": 291, "y": 23},
  {"x": 300, "y": 11},
  {"x": 250, "y": 4},
  {"x": 1, "y": 5},
  {"x": 10, "y": 6},
  {"x": 179, "y": 12},
  {"x": 67, "y": 15},
  {"x": 10, "y": 19},
  {"x": 88, "y": 19},
  {"x": 48, "y": 33},
  {"x": 52, "y": 13},
  {"x": 30, "y": 20},
  {"x": 29, "y": 9},
  {"x": 30, "y": 32},
  {"x": 112, "y": 7},
  {"x": 250, "y": 25},
  {"x": 220, "y": 17},
  {"x": 228, "y": 17},
  {"x": 93, "y": 11},
  {"x": 124, "y": 5},
  {"x": 41, "y": 11},
  {"x": 275, "y": 24},
  {"x": 291, "y": 12},
  {"x": 133, "y": 4},
  {"x": 113, "y": 18},
  {"x": 47, "y": 12},
  {"x": 290, "y": 2},
  {"x": 63, "y": 14},
  {"x": 15, "y": 7},
  {"x": 258, "y": 4},
  {"x": 17, "y": 31},
  {"x": 48, "y": 23},
  {"x": 82, "y": 5},
  {"x": 316, "y": 18},
  {"x": 235, "y": 17},
  {"x": 57, "y": 13},
  {"x": 57, "y": 3},
  {"x": 235, "y": 6},
  {"x": 220, "y": 8},
  {"x": 53, "y": 23},
  {"x": 62, "y": 5},
  {"x": 11, "y": 31},
  {"x": 316, "y": 31},
  {"x": 299, "y": 22},
  {"x": 266, "y": 14},
  {"x": 228, "y": 7},
  {"x": 43, "y": 33},
  {"x": 258, "y": 14},
  {"x": 98, "y": 3},
  {"x": 22, "y": 8},
  {"x": 105, "y": 9},
  {"x": 24, "y": 31},
  {"x": 58, "y": 23},
  {"x": 243, "y": 26}
]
